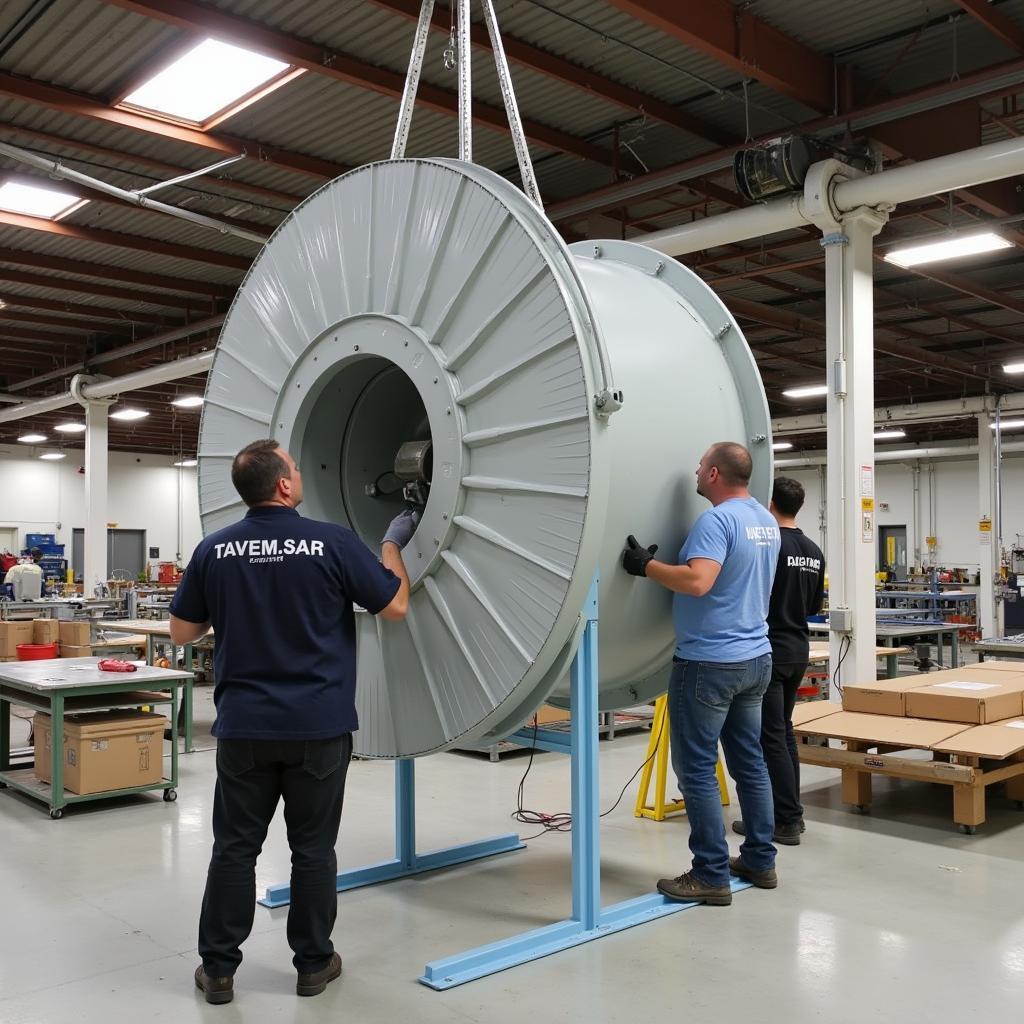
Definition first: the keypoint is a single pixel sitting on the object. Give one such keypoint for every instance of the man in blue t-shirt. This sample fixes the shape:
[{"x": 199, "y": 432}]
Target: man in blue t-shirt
[
  {"x": 280, "y": 593},
  {"x": 721, "y": 669}
]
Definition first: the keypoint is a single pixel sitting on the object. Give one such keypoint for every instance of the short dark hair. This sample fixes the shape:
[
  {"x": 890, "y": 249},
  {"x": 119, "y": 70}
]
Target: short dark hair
[
  {"x": 256, "y": 470},
  {"x": 788, "y": 495},
  {"x": 733, "y": 461},
  {"x": 36, "y": 554}
]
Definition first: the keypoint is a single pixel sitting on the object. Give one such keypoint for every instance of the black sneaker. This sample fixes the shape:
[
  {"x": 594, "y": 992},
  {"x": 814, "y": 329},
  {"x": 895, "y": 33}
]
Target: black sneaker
[
  {"x": 313, "y": 984},
  {"x": 784, "y": 835},
  {"x": 216, "y": 990},
  {"x": 690, "y": 889},
  {"x": 760, "y": 879}
]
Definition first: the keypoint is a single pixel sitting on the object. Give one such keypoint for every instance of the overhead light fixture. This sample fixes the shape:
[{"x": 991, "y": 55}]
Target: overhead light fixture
[
  {"x": 37, "y": 200},
  {"x": 1007, "y": 425},
  {"x": 947, "y": 249},
  {"x": 70, "y": 428},
  {"x": 1013, "y": 367},
  {"x": 129, "y": 414},
  {"x": 781, "y": 446},
  {"x": 889, "y": 435},
  {"x": 208, "y": 79},
  {"x": 188, "y": 463},
  {"x": 188, "y": 401},
  {"x": 32, "y": 438},
  {"x": 808, "y": 391},
  {"x": 53, "y": 456}
]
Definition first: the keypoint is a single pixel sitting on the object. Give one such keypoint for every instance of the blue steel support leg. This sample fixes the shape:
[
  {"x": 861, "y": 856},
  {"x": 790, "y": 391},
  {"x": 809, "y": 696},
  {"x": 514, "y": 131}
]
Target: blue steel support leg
[
  {"x": 588, "y": 920},
  {"x": 406, "y": 860},
  {"x": 586, "y": 816}
]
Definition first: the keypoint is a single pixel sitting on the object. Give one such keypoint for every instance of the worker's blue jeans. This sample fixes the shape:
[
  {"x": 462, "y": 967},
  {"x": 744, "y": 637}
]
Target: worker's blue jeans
[
  {"x": 252, "y": 776},
  {"x": 708, "y": 701}
]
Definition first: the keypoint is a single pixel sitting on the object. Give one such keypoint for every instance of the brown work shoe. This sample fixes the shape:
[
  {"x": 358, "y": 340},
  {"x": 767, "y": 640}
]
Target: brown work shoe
[
  {"x": 216, "y": 990},
  {"x": 761, "y": 879},
  {"x": 313, "y": 984},
  {"x": 690, "y": 889}
]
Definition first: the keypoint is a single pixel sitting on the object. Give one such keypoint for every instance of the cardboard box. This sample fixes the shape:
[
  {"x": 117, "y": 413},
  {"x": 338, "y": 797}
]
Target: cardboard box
[
  {"x": 999, "y": 666},
  {"x": 67, "y": 651},
  {"x": 889, "y": 696},
  {"x": 45, "y": 631},
  {"x": 1002, "y": 740},
  {"x": 968, "y": 699},
  {"x": 884, "y": 730},
  {"x": 75, "y": 634},
  {"x": 812, "y": 710},
  {"x": 547, "y": 714},
  {"x": 12, "y": 634},
  {"x": 104, "y": 750}
]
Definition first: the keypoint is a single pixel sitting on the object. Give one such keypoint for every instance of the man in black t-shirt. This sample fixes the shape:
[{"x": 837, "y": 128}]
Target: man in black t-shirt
[
  {"x": 798, "y": 591},
  {"x": 280, "y": 591}
]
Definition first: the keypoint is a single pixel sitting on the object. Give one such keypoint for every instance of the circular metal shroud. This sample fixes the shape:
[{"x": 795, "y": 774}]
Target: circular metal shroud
[{"x": 421, "y": 300}]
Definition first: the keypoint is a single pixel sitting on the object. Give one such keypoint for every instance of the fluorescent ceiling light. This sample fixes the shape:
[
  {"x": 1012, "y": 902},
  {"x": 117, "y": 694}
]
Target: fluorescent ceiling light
[
  {"x": 889, "y": 435},
  {"x": 206, "y": 80},
  {"x": 810, "y": 391},
  {"x": 1007, "y": 424},
  {"x": 70, "y": 428},
  {"x": 53, "y": 456},
  {"x": 188, "y": 401},
  {"x": 188, "y": 462},
  {"x": 129, "y": 414},
  {"x": 1013, "y": 368},
  {"x": 32, "y": 438},
  {"x": 36, "y": 200},
  {"x": 947, "y": 249},
  {"x": 781, "y": 446}
]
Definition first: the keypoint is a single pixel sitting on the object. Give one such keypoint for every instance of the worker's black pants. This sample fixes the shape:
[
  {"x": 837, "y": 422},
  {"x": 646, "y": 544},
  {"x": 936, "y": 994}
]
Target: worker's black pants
[
  {"x": 779, "y": 743},
  {"x": 252, "y": 775}
]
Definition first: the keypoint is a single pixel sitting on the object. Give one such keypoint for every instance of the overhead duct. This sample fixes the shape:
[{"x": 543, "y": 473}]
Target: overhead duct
[{"x": 429, "y": 300}]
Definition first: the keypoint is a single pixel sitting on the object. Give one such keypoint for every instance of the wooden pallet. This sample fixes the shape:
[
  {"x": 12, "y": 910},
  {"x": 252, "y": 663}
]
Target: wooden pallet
[{"x": 871, "y": 745}]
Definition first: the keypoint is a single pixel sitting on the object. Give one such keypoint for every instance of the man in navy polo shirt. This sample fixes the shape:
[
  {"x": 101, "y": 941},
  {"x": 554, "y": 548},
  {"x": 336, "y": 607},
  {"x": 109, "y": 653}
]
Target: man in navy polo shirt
[{"x": 279, "y": 591}]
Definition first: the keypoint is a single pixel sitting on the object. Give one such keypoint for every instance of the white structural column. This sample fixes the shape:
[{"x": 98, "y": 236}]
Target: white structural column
[
  {"x": 851, "y": 455},
  {"x": 94, "y": 567},
  {"x": 986, "y": 528}
]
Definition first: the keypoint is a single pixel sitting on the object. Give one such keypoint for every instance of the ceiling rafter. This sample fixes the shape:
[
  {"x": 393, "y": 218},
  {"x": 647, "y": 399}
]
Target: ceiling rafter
[
  {"x": 998, "y": 24},
  {"x": 304, "y": 53},
  {"x": 575, "y": 75},
  {"x": 15, "y": 301}
]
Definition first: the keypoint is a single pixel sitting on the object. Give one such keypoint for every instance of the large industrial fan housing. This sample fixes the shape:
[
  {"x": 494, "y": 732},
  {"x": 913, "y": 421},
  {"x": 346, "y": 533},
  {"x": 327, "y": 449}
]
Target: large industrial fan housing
[{"x": 429, "y": 300}]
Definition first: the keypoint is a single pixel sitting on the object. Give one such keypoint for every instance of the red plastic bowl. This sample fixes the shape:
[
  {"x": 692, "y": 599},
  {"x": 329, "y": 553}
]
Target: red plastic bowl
[{"x": 36, "y": 652}]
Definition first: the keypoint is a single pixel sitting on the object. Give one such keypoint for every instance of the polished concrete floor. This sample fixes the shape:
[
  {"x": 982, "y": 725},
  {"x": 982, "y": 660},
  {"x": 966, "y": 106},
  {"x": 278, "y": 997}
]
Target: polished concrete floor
[{"x": 890, "y": 917}]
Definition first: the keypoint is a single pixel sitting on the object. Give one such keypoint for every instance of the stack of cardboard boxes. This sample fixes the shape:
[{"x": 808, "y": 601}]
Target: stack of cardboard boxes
[
  {"x": 976, "y": 710},
  {"x": 73, "y": 637}
]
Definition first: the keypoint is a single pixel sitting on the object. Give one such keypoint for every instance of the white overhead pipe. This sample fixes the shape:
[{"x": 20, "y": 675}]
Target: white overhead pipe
[
  {"x": 922, "y": 412},
  {"x": 967, "y": 451},
  {"x": 56, "y": 169},
  {"x": 887, "y": 188},
  {"x": 106, "y": 387}
]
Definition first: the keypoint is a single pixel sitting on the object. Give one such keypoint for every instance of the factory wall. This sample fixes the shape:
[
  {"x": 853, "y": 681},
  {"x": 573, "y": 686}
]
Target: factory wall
[
  {"x": 145, "y": 492},
  {"x": 948, "y": 506}
]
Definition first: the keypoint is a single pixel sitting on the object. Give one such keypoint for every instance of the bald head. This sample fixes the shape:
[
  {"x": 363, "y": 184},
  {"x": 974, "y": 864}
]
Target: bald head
[{"x": 733, "y": 462}]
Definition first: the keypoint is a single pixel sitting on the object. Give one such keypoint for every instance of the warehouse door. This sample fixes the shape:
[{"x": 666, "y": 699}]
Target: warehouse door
[
  {"x": 126, "y": 553},
  {"x": 892, "y": 551}
]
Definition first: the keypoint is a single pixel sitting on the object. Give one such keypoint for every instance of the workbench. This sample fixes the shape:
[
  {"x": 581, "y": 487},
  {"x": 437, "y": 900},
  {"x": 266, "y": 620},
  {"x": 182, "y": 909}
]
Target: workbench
[
  {"x": 819, "y": 656},
  {"x": 1000, "y": 647},
  {"x": 160, "y": 630},
  {"x": 887, "y": 633},
  {"x": 64, "y": 685}
]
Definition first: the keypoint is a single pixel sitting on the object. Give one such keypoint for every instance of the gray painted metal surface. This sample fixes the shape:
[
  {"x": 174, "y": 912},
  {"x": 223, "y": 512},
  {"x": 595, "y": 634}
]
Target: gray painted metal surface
[{"x": 420, "y": 299}]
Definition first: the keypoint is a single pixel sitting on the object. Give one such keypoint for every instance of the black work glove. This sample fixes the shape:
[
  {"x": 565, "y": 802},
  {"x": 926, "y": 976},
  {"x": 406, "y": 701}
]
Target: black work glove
[{"x": 636, "y": 557}]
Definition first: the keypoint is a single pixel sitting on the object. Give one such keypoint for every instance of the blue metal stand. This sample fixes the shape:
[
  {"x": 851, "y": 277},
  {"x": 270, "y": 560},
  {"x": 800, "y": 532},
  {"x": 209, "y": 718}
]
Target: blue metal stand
[
  {"x": 406, "y": 860},
  {"x": 589, "y": 920}
]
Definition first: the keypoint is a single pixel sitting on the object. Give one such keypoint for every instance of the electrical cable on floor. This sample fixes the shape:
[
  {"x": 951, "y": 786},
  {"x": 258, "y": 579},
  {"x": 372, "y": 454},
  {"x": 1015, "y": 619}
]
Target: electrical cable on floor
[{"x": 561, "y": 821}]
